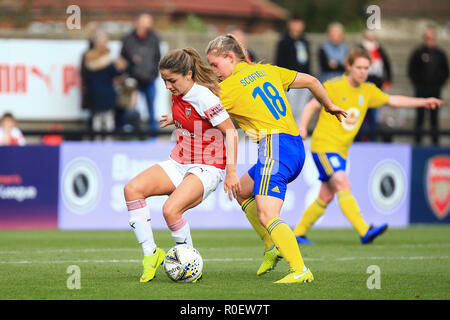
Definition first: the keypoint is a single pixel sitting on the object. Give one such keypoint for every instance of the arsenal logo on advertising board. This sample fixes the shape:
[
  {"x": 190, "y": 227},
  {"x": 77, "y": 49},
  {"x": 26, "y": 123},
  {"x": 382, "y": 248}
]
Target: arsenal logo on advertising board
[{"x": 438, "y": 185}]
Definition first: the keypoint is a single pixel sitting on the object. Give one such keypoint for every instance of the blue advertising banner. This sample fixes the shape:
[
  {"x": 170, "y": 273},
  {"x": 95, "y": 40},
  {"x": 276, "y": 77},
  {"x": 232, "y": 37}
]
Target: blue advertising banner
[
  {"x": 430, "y": 185},
  {"x": 93, "y": 175},
  {"x": 29, "y": 187}
]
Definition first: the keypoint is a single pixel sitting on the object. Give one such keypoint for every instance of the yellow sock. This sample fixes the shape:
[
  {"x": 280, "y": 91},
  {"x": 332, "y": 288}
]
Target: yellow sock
[
  {"x": 284, "y": 239},
  {"x": 311, "y": 214},
  {"x": 249, "y": 207},
  {"x": 350, "y": 208}
]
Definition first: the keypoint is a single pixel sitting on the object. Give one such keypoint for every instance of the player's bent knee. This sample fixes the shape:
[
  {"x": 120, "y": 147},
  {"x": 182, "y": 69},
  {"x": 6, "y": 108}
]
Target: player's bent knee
[
  {"x": 264, "y": 217},
  {"x": 171, "y": 213},
  {"x": 327, "y": 198},
  {"x": 341, "y": 183},
  {"x": 130, "y": 192},
  {"x": 240, "y": 199}
]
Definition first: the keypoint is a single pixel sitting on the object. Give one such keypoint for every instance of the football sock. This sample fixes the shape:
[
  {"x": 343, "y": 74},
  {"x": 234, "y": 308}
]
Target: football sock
[
  {"x": 249, "y": 207},
  {"x": 311, "y": 214},
  {"x": 181, "y": 232},
  {"x": 140, "y": 222},
  {"x": 284, "y": 239},
  {"x": 351, "y": 210}
]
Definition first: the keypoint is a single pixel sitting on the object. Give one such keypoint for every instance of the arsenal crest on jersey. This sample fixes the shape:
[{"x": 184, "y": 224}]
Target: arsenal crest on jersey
[
  {"x": 188, "y": 111},
  {"x": 438, "y": 185}
]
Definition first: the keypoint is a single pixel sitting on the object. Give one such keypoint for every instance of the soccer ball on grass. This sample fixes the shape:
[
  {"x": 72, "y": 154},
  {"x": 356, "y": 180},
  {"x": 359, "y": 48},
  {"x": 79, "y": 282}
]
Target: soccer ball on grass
[{"x": 183, "y": 263}]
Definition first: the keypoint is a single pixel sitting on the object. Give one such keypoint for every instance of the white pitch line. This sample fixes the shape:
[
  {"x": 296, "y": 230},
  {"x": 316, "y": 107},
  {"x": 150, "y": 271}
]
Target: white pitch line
[
  {"x": 87, "y": 250},
  {"x": 221, "y": 260},
  {"x": 69, "y": 250}
]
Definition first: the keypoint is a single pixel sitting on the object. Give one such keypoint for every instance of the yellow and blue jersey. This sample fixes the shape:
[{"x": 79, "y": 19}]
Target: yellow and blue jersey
[
  {"x": 254, "y": 95},
  {"x": 331, "y": 135}
]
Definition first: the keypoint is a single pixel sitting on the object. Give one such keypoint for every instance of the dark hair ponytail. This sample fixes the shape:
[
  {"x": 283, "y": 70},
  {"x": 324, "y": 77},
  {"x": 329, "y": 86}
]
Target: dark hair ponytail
[{"x": 181, "y": 61}]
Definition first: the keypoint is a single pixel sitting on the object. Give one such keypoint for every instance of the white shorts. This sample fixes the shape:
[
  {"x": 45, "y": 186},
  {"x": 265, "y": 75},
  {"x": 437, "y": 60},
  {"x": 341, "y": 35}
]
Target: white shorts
[{"x": 210, "y": 176}]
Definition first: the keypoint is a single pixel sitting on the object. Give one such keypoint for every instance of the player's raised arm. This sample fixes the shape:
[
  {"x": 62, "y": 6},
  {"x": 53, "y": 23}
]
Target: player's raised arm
[
  {"x": 303, "y": 80},
  {"x": 410, "y": 102}
]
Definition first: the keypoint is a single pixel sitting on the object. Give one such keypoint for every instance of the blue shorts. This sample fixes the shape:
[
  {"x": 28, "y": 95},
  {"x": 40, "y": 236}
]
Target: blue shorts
[
  {"x": 280, "y": 161},
  {"x": 328, "y": 163}
]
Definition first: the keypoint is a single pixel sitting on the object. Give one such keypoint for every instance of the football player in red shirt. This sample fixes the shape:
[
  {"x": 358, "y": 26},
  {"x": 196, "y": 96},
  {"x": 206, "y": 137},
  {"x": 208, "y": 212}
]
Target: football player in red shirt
[{"x": 198, "y": 162}]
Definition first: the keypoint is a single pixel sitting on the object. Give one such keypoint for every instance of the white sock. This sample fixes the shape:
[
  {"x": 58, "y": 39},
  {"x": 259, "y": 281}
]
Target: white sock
[
  {"x": 181, "y": 232},
  {"x": 140, "y": 222}
]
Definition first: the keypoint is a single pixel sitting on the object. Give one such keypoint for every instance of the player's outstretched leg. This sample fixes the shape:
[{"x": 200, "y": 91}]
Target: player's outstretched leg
[
  {"x": 284, "y": 239},
  {"x": 351, "y": 210},
  {"x": 271, "y": 253},
  {"x": 312, "y": 213},
  {"x": 152, "y": 181}
]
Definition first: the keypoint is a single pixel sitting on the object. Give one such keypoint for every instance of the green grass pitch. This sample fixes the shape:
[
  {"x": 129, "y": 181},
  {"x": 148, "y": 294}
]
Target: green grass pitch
[{"x": 413, "y": 264}]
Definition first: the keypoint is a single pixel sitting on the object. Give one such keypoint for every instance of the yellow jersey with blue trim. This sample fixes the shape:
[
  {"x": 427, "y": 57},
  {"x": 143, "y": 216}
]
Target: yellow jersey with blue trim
[
  {"x": 254, "y": 95},
  {"x": 330, "y": 135}
]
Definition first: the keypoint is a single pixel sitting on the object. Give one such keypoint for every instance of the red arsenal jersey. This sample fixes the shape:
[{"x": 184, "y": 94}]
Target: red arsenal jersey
[{"x": 195, "y": 116}]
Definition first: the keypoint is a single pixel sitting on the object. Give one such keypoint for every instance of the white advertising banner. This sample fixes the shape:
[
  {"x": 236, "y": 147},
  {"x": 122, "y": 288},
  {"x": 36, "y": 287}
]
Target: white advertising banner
[{"x": 39, "y": 79}]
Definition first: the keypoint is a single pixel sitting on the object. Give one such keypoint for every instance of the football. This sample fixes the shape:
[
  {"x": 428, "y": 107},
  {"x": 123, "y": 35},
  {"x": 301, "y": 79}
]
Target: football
[{"x": 183, "y": 263}]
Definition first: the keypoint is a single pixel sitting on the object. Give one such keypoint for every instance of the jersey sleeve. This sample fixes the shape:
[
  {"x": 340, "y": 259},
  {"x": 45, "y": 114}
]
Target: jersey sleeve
[
  {"x": 226, "y": 97},
  {"x": 211, "y": 108},
  {"x": 287, "y": 76},
  {"x": 377, "y": 97}
]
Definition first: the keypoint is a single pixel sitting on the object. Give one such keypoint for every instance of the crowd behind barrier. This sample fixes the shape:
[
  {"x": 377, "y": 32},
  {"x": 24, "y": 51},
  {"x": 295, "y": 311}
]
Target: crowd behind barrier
[{"x": 294, "y": 49}]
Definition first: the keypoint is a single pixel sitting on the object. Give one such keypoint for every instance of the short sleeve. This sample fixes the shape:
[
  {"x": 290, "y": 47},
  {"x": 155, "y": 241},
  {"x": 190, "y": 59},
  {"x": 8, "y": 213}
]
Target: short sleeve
[
  {"x": 287, "y": 76},
  {"x": 226, "y": 98},
  {"x": 208, "y": 105},
  {"x": 377, "y": 97},
  {"x": 216, "y": 114}
]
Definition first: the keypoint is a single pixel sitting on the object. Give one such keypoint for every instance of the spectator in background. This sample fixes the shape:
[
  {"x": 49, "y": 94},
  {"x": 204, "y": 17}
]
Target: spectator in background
[
  {"x": 428, "y": 72},
  {"x": 128, "y": 117},
  {"x": 293, "y": 52},
  {"x": 240, "y": 35},
  {"x": 10, "y": 135},
  {"x": 84, "y": 92},
  {"x": 332, "y": 53},
  {"x": 99, "y": 75},
  {"x": 141, "y": 49},
  {"x": 379, "y": 74}
]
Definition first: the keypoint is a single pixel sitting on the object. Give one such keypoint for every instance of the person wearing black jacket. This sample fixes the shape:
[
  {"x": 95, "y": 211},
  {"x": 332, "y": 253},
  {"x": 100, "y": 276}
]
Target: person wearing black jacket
[
  {"x": 428, "y": 72},
  {"x": 293, "y": 52},
  {"x": 141, "y": 49}
]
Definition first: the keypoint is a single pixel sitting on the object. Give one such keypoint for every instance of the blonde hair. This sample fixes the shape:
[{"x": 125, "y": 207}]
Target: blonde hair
[
  {"x": 224, "y": 44},
  {"x": 182, "y": 61}
]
